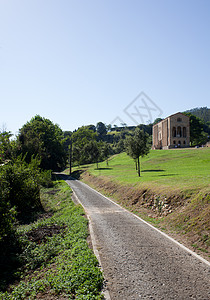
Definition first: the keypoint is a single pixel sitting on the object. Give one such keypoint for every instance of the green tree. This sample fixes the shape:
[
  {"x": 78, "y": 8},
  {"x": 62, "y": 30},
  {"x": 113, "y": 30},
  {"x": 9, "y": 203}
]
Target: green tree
[
  {"x": 157, "y": 120},
  {"x": 105, "y": 152},
  {"x": 5, "y": 146},
  {"x": 197, "y": 134},
  {"x": 109, "y": 127},
  {"x": 101, "y": 129},
  {"x": 91, "y": 152},
  {"x": 7, "y": 214},
  {"x": 201, "y": 112},
  {"x": 83, "y": 136},
  {"x": 21, "y": 184},
  {"x": 137, "y": 145},
  {"x": 120, "y": 146},
  {"x": 43, "y": 138}
]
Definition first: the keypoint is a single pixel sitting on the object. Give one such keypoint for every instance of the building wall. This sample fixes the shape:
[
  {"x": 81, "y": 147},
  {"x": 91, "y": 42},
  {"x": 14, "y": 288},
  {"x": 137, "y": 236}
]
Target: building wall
[
  {"x": 165, "y": 133},
  {"x": 155, "y": 134},
  {"x": 179, "y": 131},
  {"x": 172, "y": 132}
]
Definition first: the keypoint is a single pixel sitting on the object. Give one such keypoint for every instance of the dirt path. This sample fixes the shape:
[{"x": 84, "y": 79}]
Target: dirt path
[{"x": 138, "y": 261}]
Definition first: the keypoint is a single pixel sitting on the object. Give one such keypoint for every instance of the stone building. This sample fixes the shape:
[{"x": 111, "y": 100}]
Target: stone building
[{"x": 172, "y": 132}]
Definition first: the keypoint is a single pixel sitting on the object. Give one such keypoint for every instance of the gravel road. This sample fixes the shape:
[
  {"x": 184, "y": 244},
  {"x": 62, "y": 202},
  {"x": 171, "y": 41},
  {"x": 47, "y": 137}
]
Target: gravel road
[{"x": 138, "y": 261}]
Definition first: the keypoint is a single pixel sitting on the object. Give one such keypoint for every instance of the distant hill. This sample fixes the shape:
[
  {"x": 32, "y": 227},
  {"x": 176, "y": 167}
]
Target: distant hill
[{"x": 201, "y": 112}]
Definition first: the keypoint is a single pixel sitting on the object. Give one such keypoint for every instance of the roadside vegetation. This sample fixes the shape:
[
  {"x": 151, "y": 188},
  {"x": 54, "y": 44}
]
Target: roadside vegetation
[
  {"x": 53, "y": 259},
  {"x": 43, "y": 247}
]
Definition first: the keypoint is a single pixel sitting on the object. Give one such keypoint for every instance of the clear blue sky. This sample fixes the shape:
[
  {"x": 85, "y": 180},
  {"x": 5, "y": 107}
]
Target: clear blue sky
[{"x": 79, "y": 62}]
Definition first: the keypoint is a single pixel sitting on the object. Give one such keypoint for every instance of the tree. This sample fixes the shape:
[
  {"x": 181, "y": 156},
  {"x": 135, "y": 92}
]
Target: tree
[
  {"x": 105, "y": 152},
  {"x": 101, "y": 129},
  {"x": 5, "y": 147},
  {"x": 20, "y": 181},
  {"x": 109, "y": 127},
  {"x": 137, "y": 145},
  {"x": 157, "y": 120},
  {"x": 201, "y": 112},
  {"x": 197, "y": 134},
  {"x": 91, "y": 152},
  {"x": 43, "y": 138},
  {"x": 80, "y": 138},
  {"x": 67, "y": 140}
]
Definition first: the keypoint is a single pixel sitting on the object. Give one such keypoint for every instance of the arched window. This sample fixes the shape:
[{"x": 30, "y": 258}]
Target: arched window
[
  {"x": 179, "y": 143},
  {"x": 174, "y": 132},
  {"x": 174, "y": 142},
  {"x": 184, "y": 132},
  {"x": 179, "y": 131},
  {"x": 179, "y": 120},
  {"x": 184, "y": 142}
]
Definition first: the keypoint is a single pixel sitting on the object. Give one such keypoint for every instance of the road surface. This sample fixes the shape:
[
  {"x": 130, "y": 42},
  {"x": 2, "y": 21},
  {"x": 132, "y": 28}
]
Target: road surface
[{"x": 138, "y": 261}]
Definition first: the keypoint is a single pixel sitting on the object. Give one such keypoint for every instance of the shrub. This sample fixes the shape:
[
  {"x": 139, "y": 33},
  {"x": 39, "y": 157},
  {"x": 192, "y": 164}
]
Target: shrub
[
  {"x": 7, "y": 214},
  {"x": 21, "y": 187},
  {"x": 45, "y": 179}
]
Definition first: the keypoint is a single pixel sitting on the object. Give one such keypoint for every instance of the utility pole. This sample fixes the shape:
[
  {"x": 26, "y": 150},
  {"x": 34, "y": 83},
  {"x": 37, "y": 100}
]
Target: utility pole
[{"x": 70, "y": 157}]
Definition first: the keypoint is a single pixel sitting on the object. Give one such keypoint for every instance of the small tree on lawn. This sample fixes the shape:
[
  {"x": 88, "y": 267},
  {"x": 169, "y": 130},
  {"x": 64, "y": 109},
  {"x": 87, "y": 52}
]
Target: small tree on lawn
[
  {"x": 105, "y": 152},
  {"x": 137, "y": 145}
]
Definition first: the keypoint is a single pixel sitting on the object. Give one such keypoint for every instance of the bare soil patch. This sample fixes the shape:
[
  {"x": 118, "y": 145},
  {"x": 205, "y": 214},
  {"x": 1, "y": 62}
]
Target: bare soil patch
[{"x": 40, "y": 234}]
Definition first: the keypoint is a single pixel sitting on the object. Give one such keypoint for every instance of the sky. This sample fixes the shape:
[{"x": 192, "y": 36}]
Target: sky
[{"x": 114, "y": 61}]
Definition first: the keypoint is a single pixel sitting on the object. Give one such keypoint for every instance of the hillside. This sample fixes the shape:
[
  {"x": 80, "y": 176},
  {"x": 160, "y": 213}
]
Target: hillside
[
  {"x": 173, "y": 191},
  {"x": 202, "y": 113}
]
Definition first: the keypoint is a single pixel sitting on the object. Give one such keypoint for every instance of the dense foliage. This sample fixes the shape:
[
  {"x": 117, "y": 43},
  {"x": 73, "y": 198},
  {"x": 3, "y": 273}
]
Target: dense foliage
[
  {"x": 43, "y": 138},
  {"x": 92, "y": 144},
  {"x": 5, "y": 146},
  {"x": 19, "y": 202},
  {"x": 20, "y": 183},
  {"x": 201, "y": 112},
  {"x": 198, "y": 136}
]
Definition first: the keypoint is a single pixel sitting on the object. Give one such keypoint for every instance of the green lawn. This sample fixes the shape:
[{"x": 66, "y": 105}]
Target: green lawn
[{"x": 180, "y": 168}]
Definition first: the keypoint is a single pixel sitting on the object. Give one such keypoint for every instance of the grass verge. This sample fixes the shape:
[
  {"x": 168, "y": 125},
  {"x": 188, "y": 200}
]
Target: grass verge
[{"x": 56, "y": 262}]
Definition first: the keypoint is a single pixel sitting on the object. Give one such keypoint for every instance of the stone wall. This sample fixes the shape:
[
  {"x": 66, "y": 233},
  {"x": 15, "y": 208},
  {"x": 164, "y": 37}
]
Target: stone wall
[
  {"x": 172, "y": 132},
  {"x": 180, "y": 131}
]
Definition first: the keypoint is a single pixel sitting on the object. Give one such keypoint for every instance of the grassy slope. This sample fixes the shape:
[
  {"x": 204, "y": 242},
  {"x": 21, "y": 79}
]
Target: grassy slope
[
  {"x": 60, "y": 266},
  {"x": 182, "y": 169},
  {"x": 178, "y": 178}
]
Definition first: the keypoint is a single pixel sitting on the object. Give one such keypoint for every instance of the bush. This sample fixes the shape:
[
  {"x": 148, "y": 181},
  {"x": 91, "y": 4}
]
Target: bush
[
  {"x": 9, "y": 242},
  {"x": 21, "y": 187},
  {"x": 7, "y": 214},
  {"x": 45, "y": 179}
]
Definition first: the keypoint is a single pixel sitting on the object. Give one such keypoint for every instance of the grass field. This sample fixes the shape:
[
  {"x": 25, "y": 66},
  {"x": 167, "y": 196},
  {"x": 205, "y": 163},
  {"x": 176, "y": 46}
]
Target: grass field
[{"x": 180, "y": 168}]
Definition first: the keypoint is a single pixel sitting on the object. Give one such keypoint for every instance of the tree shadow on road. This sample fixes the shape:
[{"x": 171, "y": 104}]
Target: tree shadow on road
[{"x": 74, "y": 175}]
